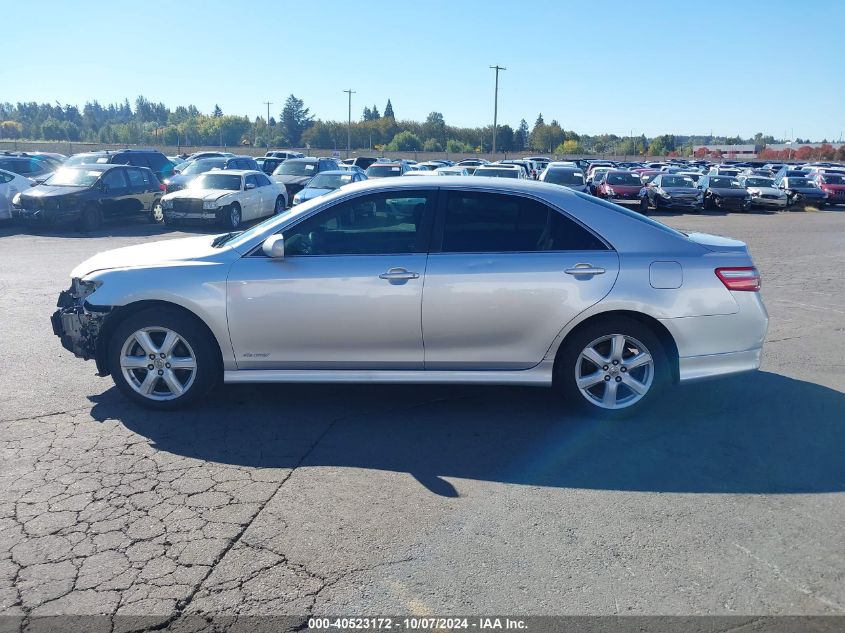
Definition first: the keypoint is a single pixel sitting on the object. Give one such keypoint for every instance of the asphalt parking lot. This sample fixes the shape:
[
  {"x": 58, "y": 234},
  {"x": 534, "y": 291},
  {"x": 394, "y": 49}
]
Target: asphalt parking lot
[{"x": 728, "y": 498}]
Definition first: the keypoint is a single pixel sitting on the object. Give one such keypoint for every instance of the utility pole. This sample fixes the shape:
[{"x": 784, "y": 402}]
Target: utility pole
[
  {"x": 497, "y": 68},
  {"x": 268, "y": 104},
  {"x": 350, "y": 92}
]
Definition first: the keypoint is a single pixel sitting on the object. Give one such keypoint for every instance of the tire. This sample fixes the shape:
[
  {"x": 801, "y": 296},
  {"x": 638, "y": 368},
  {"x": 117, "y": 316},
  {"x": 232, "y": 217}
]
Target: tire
[
  {"x": 644, "y": 206},
  {"x": 280, "y": 206},
  {"x": 156, "y": 212},
  {"x": 599, "y": 336},
  {"x": 708, "y": 203},
  {"x": 195, "y": 351},
  {"x": 91, "y": 219},
  {"x": 232, "y": 216}
]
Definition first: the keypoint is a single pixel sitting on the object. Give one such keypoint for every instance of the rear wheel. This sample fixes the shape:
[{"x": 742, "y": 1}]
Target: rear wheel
[
  {"x": 163, "y": 359},
  {"x": 280, "y": 205},
  {"x": 91, "y": 218},
  {"x": 612, "y": 368}
]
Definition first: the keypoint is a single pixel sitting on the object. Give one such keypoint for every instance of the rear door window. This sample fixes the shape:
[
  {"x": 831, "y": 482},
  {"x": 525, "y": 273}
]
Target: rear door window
[
  {"x": 475, "y": 222},
  {"x": 136, "y": 179}
]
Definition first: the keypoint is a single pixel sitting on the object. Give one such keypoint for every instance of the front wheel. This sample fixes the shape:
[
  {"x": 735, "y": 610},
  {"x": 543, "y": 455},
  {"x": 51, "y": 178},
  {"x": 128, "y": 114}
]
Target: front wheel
[
  {"x": 232, "y": 216},
  {"x": 91, "y": 219},
  {"x": 162, "y": 358},
  {"x": 157, "y": 212},
  {"x": 280, "y": 205},
  {"x": 644, "y": 206},
  {"x": 612, "y": 368}
]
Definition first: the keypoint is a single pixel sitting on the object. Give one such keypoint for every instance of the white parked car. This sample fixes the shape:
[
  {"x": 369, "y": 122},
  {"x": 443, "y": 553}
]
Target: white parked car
[
  {"x": 11, "y": 184},
  {"x": 227, "y": 197}
]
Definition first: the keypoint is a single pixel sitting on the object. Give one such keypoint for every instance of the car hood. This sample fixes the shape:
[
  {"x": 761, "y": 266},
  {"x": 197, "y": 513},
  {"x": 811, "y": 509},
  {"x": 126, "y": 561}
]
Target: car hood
[
  {"x": 626, "y": 188},
  {"x": 765, "y": 190},
  {"x": 180, "y": 179},
  {"x": 312, "y": 192},
  {"x": 199, "y": 194},
  {"x": 292, "y": 180},
  {"x": 680, "y": 191},
  {"x": 51, "y": 191},
  {"x": 154, "y": 254},
  {"x": 835, "y": 187},
  {"x": 729, "y": 192}
]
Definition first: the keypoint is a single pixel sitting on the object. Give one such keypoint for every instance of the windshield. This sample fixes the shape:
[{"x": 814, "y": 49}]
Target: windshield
[
  {"x": 725, "y": 183},
  {"x": 329, "y": 181},
  {"x": 230, "y": 182},
  {"x": 85, "y": 159},
  {"x": 728, "y": 172},
  {"x": 623, "y": 179},
  {"x": 73, "y": 177},
  {"x": 201, "y": 166},
  {"x": 296, "y": 168},
  {"x": 759, "y": 182},
  {"x": 497, "y": 173},
  {"x": 384, "y": 170},
  {"x": 677, "y": 181},
  {"x": 564, "y": 177},
  {"x": 801, "y": 182}
]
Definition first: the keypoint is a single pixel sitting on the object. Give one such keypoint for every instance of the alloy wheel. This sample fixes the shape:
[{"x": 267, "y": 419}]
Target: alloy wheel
[
  {"x": 614, "y": 371},
  {"x": 158, "y": 363}
]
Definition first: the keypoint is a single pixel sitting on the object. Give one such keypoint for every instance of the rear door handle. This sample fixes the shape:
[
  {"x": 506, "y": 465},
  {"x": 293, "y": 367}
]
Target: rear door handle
[
  {"x": 398, "y": 273},
  {"x": 584, "y": 269}
]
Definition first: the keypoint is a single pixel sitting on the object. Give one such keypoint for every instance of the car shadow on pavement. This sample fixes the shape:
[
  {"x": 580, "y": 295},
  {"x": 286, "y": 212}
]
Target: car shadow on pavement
[{"x": 760, "y": 433}]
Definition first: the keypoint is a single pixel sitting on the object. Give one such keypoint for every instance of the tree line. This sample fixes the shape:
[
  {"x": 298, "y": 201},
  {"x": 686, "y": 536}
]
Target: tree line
[{"x": 156, "y": 124}]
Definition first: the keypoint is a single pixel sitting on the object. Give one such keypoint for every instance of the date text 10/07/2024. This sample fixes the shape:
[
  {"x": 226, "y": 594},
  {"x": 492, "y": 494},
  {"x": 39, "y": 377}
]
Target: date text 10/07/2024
[{"x": 416, "y": 624}]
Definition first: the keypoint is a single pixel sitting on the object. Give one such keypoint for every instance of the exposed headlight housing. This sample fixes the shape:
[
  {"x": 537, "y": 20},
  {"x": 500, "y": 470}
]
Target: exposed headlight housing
[
  {"x": 297, "y": 199},
  {"x": 210, "y": 204},
  {"x": 16, "y": 201},
  {"x": 84, "y": 287},
  {"x": 610, "y": 191}
]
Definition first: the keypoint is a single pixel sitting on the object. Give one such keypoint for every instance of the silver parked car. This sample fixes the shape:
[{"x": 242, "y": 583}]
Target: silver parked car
[{"x": 424, "y": 280}]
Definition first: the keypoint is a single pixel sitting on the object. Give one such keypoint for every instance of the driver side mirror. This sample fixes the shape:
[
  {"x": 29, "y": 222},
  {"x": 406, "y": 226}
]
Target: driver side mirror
[
  {"x": 249, "y": 185},
  {"x": 274, "y": 246}
]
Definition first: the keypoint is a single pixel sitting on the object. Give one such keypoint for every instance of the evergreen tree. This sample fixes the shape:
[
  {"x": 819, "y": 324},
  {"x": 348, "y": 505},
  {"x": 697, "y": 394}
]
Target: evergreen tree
[
  {"x": 296, "y": 118},
  {"x": 217, "y": 113},
  {"x": 388, "y": 111},
  {"x": 375, "y": 113}
]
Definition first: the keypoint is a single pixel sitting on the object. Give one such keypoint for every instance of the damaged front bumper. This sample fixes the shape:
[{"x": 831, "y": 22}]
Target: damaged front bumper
[{"x": 77, "y": 323}]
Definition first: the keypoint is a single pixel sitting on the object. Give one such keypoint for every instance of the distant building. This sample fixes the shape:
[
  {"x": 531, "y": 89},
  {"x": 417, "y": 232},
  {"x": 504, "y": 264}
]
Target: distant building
[{"x": 727, "y": 151}]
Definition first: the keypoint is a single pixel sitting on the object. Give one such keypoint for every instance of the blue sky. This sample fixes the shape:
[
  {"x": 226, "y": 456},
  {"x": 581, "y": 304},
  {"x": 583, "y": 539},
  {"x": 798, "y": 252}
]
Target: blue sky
[{"x": 736, "y": 67}]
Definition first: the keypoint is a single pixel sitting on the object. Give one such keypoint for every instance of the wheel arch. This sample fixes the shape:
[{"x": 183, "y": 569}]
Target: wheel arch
[
  {"x": 663, "y": 334},
  {"x": 120, "y": 313}
]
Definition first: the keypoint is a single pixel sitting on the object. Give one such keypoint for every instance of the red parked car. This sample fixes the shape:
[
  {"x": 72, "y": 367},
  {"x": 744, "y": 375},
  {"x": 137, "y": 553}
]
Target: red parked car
[
  {"x": 833, "y": 185},
  {"x": 620, "y": 187}
]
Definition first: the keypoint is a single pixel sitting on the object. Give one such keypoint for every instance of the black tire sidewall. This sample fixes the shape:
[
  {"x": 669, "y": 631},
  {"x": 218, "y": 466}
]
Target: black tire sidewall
[
  {"x": 191, "y": 329},
  {"x": 564, "y": 371},
  {"x": 277, "y": 210}
]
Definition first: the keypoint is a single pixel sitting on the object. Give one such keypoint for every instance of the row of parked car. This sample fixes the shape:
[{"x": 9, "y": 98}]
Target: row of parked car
[{"x": 228, "y": 189}]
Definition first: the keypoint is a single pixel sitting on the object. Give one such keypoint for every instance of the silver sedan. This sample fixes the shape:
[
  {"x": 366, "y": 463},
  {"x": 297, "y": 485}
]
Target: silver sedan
[{"x": 424, "y": 280}]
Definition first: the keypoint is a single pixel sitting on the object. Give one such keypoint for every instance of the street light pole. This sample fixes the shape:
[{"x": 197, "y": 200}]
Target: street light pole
[
  {"x": 350, "y": 92},
  {"x": 268, "y": 104},
  {"x": 497, "y": 68}
]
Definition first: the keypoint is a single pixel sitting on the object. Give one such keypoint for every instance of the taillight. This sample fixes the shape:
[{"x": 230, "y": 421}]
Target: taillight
[{"x": 742, "y": 278}]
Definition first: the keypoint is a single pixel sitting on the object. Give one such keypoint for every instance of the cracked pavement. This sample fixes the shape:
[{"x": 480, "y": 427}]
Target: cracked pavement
[{"x": 726, "y": 499}]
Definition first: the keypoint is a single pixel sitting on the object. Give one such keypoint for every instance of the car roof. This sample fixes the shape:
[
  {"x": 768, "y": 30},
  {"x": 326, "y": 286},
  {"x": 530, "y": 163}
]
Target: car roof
[{"x": 234, "y": 172}]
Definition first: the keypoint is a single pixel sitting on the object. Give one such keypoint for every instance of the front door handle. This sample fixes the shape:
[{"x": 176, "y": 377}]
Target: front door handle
[
  {"x": 393, "y": 274},
  {"x": 584, "y": 269}
]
